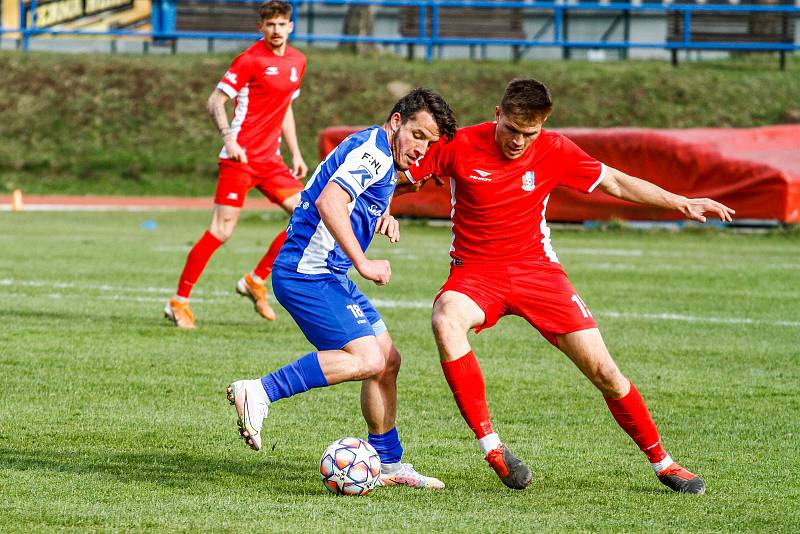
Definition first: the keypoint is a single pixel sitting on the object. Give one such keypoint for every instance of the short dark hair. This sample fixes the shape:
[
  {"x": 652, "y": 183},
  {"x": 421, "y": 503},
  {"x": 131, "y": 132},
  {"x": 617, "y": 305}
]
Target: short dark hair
[
  {"x": 526, "y": 99},
  {"x": 422, "y": 99},
  {"x": 273, "y": 8}
]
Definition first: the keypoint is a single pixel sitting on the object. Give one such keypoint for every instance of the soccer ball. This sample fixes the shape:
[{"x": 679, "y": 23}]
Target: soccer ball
[{"x": 350, "y": 466}]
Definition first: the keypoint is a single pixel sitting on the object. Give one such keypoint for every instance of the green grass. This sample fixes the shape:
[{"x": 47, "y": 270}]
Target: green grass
[
  {"x": 107, "y": 124},
  {"x": 113, "y": 420}
]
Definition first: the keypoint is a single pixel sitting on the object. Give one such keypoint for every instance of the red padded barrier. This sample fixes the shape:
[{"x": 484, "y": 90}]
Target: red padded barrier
[{"x": 755, "y": 171}]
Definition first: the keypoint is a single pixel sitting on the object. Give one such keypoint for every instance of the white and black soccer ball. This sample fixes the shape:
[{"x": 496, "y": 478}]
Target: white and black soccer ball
[{"x": 350, "y": 466}]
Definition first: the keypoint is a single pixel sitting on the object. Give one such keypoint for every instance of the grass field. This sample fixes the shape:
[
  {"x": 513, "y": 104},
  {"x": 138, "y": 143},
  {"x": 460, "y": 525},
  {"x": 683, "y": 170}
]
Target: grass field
[
  {"x": 137, "y": 125},
  {"x": 113, "y": 420}
]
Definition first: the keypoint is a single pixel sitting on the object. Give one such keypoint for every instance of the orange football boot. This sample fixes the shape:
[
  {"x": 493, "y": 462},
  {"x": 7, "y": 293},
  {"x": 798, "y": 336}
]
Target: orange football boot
[
  {"x": 246, "y": 287},
  {"x": 179, "y": 313}
]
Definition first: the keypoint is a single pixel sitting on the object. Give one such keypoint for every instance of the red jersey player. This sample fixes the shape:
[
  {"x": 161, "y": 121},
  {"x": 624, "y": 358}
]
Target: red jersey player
[
  {"x": 501, "y": 176},
  {"x": 263, "y": 80}
]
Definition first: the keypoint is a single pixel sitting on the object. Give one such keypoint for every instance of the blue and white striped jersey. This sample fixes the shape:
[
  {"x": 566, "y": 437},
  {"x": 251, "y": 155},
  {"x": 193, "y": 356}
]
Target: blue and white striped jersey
[{"x": 363, "y": 166}]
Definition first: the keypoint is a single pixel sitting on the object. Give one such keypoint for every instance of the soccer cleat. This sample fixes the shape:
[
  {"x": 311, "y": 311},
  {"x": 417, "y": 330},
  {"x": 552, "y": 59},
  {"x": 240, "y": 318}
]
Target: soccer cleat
[
  {"x": 511, "y": 470},
  {"x": 681, "y": 480},
  {"x": 179, "y": 313},
  {"x": 406, "y": 475},
  {"x": 246, "y": 287},
  {"x": 251, "y": 408}
]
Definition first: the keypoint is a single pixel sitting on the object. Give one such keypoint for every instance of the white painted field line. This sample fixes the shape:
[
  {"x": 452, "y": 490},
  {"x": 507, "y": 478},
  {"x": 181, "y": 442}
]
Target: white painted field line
[
  {"x": 7, "y": 282},
  {"x": 694, "y": 318},
  {"x": 408, "y": 304},
  {"x": 606, "y": 252},
  {"x": 379, "y": 303},
  {"x": 161, "y": 300}
]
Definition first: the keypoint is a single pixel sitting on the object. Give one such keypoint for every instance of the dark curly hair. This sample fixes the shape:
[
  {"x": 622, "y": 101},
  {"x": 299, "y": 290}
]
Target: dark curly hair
[{"x": 423, "y": 99}]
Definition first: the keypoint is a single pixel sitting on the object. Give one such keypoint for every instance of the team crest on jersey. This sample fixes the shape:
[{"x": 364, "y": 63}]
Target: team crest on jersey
[
  {"x": 293, "y": 75},
  {"x": 527, "y": 181},
  {"x": 271, "y": 71},
  {"x": 362, "y": 173}
]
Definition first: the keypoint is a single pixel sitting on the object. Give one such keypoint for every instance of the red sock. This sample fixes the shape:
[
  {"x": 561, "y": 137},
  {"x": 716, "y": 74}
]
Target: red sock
[
  {"x": 466, "y": 381},
  {"x": 196, "y": 261},
  {"x": 634, "y": 418},
  {"x": 264, "y": 267}
]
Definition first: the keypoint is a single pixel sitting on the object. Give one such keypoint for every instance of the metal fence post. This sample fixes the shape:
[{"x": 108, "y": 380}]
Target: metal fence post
[
  {"x": 434, "y": 32},
  {"x": 558, "y": 20},
  {"x": 23, "y": 22}
]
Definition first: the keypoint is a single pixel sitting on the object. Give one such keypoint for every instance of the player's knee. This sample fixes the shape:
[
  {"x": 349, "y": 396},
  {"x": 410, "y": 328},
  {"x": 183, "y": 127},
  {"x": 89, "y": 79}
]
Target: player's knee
[
  {"x": 372, "y": 364},
  {"x": 444, "y": 322},
  {"x": 609, "y": 380},
  {"x": 223, "y": 229},
  {"x": 392, "y": 362}
]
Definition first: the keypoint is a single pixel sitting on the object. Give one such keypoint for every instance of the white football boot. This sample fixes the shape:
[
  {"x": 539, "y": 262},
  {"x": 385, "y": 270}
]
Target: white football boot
[
  {"x": 252, "y": 406},
  {"x": 400, "y": 474}
]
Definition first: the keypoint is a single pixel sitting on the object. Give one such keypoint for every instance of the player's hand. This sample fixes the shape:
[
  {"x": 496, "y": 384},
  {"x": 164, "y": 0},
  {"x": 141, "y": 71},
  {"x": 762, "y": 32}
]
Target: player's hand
[
  {"x": 299, "y": 167},
  {"x": 438, "y": 180},
  {"x": 413, "y": 187},
  {"x": 696, "y": 208},
  {"x": 235, "y": 152},
  {"x": 379, "y": 271},
  {"x": 388, "y": 226}
]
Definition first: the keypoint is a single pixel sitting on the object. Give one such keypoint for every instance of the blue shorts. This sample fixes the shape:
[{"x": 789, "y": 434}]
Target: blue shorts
[{"x": 329, "y": 308}]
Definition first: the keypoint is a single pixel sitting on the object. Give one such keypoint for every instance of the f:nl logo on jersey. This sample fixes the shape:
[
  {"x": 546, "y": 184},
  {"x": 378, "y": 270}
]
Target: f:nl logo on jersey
[{"x": 527, "y": 181}]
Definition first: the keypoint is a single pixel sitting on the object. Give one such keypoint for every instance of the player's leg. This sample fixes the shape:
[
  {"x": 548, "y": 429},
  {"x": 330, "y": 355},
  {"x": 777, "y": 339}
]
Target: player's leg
[
  {"x": 223, "y": 222},
  {"x": 359, "y": 359},
  {"x": 282, "y": 188},
  {"x": 454, "y": 314},
  {"x": 379, "y": 407},
  {"x": 379, "y": 393},
  {"x": 332, "y": 321},
  {"x": 589, "y": 353}
]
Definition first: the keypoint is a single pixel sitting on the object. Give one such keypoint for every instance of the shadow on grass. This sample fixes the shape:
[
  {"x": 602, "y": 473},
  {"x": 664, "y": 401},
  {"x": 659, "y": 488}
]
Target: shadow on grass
[{"x": 170, "y": 469}]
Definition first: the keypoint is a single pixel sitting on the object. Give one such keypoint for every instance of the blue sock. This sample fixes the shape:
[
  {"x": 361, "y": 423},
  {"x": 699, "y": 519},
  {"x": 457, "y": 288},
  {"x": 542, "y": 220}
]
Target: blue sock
[
  {"x": 293, "y": 378},
  {"x": 387, "y": 445}
]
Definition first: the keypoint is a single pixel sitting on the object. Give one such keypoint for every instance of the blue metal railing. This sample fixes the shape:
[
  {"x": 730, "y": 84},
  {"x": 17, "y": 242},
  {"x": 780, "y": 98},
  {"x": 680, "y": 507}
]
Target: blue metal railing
[{"x": 163, "y": 24}]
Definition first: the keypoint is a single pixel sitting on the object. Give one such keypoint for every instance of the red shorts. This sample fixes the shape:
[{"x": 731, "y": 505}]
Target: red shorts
[
  {"x": 538, "y": 291},
  {"x": 272, "y": 178}
]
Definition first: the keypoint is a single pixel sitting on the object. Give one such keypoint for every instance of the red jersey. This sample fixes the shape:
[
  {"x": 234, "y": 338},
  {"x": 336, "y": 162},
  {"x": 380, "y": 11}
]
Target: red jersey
[
  {"x": 263, "y": 85},
  {"x": 499, "y": 203}
]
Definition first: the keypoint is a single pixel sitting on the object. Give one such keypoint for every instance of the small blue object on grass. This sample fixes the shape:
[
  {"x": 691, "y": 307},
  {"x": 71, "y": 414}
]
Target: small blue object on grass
[{"x": 149, "y": 224}]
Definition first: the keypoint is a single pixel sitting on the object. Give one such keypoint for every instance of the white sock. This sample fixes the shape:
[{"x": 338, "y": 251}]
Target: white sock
[
  {"x": 489, "y": 442},
  {"x": 257, "y": 389},
  {"x": 390, "y": 468},
  {"x": 663, "y": 464},
  {"x": 182, "y": 300},
  {"x": 256, "y": 279}
]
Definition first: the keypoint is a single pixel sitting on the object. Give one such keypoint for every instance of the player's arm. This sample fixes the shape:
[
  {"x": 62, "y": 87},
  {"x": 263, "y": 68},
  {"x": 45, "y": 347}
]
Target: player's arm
[
  {"x": 406, "y": 185},
  {"x": 332, "y": 206},
  {"x": 216, "y": 108},
  {"x": 618, "y": 184},
  {"x": 289, "y": 134}
]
